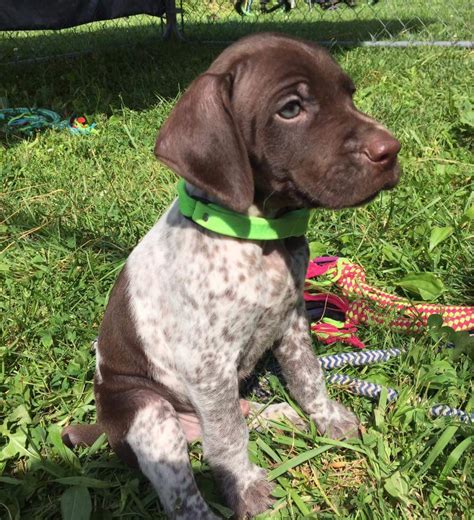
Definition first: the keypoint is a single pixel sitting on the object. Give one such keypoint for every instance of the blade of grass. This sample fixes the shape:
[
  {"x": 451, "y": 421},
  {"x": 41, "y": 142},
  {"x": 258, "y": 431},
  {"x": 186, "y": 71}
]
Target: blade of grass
[
  {"x": 438, "y": 448},
  {"x": 85, "y": 481},
  {"x": 323, "y": 494},
  {"x": 299, "y": 503},
  {"x": 453, "y": 459},
  {"x": 268, "y": 450},
  {"x": 296, "y": 461}
]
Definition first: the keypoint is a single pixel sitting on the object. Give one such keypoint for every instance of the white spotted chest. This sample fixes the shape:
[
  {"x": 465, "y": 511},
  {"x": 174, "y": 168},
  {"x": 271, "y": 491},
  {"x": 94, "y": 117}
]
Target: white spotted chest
[{"x": 196, "y": 296}]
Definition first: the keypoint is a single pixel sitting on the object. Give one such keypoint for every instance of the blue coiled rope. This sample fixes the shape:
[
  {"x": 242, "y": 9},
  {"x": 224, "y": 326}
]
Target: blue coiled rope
[{"x": 27, "y": 121}]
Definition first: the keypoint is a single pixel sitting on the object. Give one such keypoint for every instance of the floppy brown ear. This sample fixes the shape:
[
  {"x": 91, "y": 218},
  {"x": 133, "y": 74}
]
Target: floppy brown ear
[{"x": 201, "y": 142}]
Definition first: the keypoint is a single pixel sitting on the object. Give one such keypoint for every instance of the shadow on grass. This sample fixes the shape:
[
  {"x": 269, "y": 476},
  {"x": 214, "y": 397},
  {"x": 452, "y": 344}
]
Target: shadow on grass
[
  {"x": 50, "y": 232},
  {"x": 317, "y": 30},
  {"x": 131, "y": 67},
  {"x": 51, "y": 476}
]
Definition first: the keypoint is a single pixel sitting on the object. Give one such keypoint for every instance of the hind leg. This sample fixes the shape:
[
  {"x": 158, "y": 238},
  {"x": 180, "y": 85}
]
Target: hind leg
[
  {"x": 143, "y": 429},
  {"x": 86, "y": 434},
  {"x": 81, "y": 434}
]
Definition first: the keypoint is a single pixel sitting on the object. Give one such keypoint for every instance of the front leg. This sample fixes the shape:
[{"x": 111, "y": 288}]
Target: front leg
[
  {"x": 225, "y": 440},
  {"x": 305, "y": 379}
]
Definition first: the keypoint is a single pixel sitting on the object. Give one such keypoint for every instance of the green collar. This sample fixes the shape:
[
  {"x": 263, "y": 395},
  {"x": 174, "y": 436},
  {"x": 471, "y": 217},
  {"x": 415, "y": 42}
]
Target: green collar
[{"x": 226, "y": 222}]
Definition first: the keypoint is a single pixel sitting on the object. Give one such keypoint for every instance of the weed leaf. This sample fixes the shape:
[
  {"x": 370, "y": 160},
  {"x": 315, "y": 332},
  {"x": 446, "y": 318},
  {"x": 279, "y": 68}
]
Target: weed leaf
[
  {"x": 435, "y": 321},
  {"x": 16, "y": 446},
  {"x": 438, "y": 234},
  {"x": 466, "y": 112},
  {"x": 469, "y": 213},
  {"x": 397, "y": 486},
  {"x": 76, "y": 503},
  {"x": 427, "y": 285},
  {"x": 317, "y": 249}
]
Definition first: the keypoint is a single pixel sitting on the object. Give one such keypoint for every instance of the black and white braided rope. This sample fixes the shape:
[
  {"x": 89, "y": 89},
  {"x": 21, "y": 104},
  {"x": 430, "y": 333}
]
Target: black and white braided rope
[
  {"x": 364, "y": 357},
  {"x": 373, "y": 390}
]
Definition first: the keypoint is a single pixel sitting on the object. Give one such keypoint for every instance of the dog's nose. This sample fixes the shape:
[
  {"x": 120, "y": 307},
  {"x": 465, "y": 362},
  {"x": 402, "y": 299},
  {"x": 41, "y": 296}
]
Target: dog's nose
[{"x": 382, "y": 148}]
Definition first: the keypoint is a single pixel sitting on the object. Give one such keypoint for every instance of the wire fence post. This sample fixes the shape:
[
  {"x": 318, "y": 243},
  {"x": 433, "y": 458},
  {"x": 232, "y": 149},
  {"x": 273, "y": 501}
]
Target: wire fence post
[{"x": 172, "y": 28}]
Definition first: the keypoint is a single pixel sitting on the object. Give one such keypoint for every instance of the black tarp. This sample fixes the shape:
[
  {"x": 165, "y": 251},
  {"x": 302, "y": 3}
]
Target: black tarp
[{"x": 59, "y": 14}]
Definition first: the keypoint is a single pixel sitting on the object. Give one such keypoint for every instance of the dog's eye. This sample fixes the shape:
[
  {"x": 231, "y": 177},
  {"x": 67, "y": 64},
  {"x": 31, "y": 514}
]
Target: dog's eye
[{"x": 290, "y": 110}]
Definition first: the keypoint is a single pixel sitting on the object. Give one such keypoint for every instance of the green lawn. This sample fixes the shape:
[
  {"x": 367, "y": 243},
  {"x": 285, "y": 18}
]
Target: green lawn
[{"x": 72, "y": 208}]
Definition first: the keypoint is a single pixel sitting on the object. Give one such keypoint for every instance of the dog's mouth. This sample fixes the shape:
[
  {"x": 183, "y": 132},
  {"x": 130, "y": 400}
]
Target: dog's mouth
[
  {"x": 396, "y": 174},
  {"x": 389, "y": 185},
  {"x": 365, "y": 201},
  {"x": 340, "y": 194}
]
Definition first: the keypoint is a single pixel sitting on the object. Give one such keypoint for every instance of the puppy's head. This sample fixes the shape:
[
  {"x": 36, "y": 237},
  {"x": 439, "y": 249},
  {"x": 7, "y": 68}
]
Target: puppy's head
[{"x": 273, "y": 122}]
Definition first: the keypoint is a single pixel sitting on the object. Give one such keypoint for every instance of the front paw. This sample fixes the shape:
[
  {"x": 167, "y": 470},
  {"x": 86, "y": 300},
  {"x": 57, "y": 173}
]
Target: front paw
[
  {"x": 337, "y": 422},
  {"x": 249, "y": 498}
]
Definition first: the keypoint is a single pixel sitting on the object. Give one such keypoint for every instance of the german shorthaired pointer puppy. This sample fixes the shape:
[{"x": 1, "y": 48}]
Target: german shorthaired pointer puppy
[{"x": 270, "y": 128}]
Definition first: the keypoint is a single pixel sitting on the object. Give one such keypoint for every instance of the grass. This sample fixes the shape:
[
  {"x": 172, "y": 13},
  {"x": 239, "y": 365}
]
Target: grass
[{"x": 71, "y": 210}]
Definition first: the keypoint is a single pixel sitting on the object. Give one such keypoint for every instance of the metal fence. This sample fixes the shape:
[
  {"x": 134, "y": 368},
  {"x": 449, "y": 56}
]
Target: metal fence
[
  {"x": 396, "y": 23},
  {"x": 346, "y": 22},
  {"x": 141, "y": 30}
]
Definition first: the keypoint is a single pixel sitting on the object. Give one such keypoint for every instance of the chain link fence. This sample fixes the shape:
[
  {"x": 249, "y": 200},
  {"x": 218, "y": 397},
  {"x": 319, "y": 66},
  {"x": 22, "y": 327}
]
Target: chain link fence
[
  {"x": 346, "y": 22},
  {"x": 140, "y": 30},
  {"x": 343, "y": 22}
]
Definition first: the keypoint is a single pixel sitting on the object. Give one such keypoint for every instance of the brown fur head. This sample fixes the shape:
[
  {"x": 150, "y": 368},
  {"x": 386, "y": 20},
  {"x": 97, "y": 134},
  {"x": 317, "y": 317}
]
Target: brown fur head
[{"x": 272, "y": 122}]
